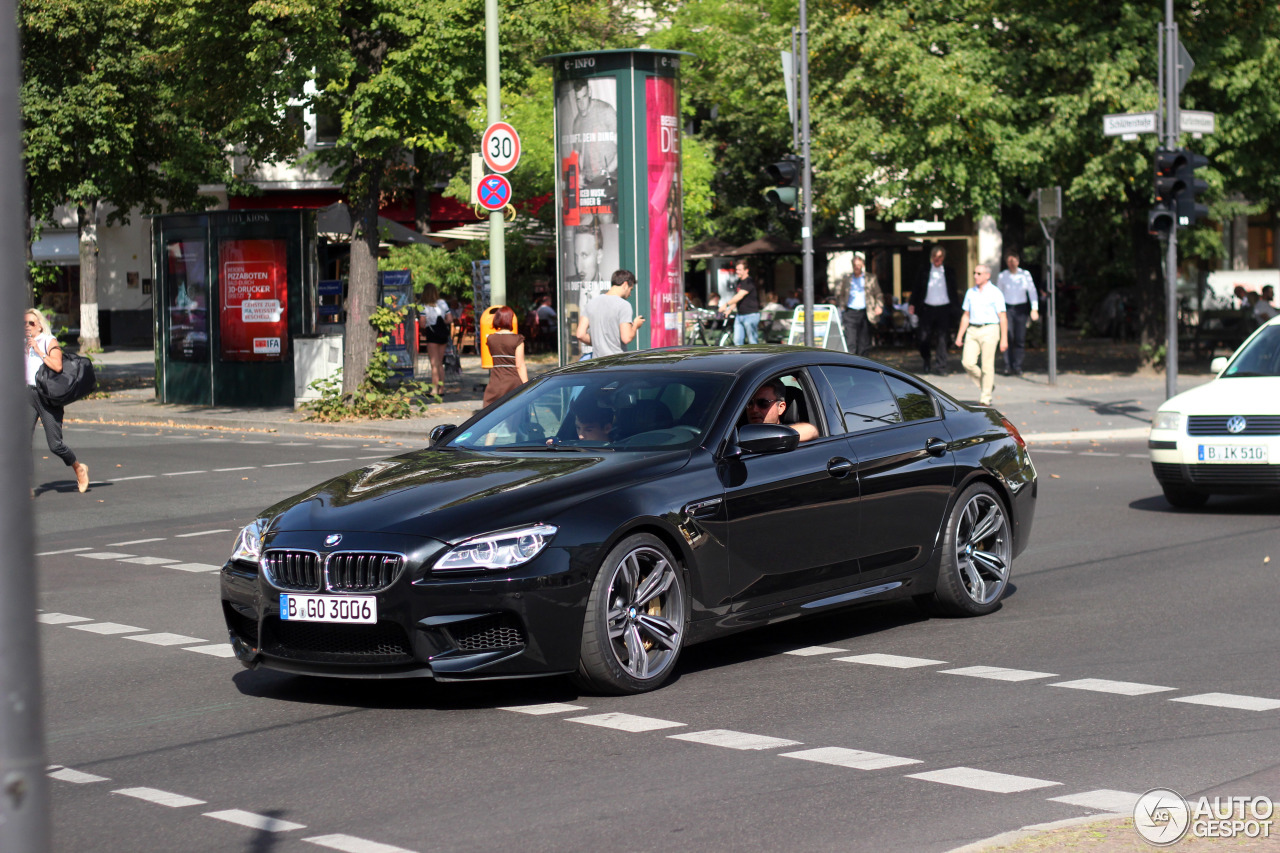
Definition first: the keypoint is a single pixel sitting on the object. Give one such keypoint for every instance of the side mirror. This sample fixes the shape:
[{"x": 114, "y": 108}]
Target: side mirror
[
  {"x": 1218, "y": 365},
  {"x": 767, "y": 438},
  {"x": 440, "y": 433}
]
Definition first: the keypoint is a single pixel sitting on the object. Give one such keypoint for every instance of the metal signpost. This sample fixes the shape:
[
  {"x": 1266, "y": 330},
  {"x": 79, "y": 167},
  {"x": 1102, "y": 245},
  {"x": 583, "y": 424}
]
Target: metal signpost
[
  {"x": 493, "y": 101},
  {"x": 1050, "y": 213}
]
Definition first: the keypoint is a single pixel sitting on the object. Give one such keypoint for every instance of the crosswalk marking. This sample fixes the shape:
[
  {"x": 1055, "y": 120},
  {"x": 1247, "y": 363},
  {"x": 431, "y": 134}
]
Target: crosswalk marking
[
  {"x": 809, "y": 651},
  {"x": 1103, "y": 800},
  {"x": 544, "y": 708},
  {"x": 352, "y": 844},
  {"x": 163, "y": 639},
  {"x": 895, "y": 661},
  {"x": 983, "y": 780},
  {"x": 163, "y": 798},
  {"x": 195, "y": 567},
  {"x": 998, "y": 673},
  {"x": 1102, "y": 685},
  {"x": 149, "y": 561},
  {"x": 217, "y": 650},
  {"x": 135, "y": 542},
  {"x": 66, "y": 774},
  {"x": 255, "y": 821},
  {"x": 1230, "y": 700},
  {"x": 734, "y": 740},
  {"x": 108, "y": 628},
  {"x": 625, "y": 722},
  {"x": 105, "y": 555},
  {"x": 63, "y": 551},
  {"x": 60, "y": 618},
  {"x": 855, "y": 758}
]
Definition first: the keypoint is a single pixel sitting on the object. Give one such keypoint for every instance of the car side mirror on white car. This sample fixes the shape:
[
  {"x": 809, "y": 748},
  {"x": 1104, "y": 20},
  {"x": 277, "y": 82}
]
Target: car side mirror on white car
[{"x": 1218, "y": 365}]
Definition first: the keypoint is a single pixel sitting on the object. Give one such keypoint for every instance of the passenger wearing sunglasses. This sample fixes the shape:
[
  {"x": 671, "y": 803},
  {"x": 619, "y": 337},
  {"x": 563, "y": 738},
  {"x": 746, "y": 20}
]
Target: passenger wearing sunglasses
[
  {"x": 769, "y": 404},
  {"x": 42, "y": 348}
]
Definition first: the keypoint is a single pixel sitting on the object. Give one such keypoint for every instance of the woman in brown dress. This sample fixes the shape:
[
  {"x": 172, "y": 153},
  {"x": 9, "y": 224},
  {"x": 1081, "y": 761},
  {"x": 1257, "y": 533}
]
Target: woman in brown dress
[{"x": 507, "y": 349}]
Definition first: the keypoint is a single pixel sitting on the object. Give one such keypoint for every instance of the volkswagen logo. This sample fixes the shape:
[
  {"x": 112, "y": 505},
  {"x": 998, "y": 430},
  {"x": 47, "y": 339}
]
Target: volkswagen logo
[
  {"x": 332, "y": 539},
  {"x": 1236, "y": 425}
]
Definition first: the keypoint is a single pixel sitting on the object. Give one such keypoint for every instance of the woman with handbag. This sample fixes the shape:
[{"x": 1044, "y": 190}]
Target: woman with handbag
[
  {"x": 437, "y": 325},
  {"x": 42, "y": 348}
]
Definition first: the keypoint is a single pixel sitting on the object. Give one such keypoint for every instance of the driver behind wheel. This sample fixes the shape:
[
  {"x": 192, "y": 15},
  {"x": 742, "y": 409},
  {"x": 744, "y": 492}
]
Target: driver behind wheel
[
  {"x": 768, "y": 406},
  {"x": 593, "y": 421}
]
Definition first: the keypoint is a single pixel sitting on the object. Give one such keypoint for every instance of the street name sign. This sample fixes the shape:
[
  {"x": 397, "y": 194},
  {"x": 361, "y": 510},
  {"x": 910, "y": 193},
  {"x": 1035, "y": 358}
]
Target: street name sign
[
  {"x": 501, "y": 147},
  {"x": 920, "y": 226},
  {"x": 1194, "y": 121},
  {"x": 494, "y": 192},
  {"x": 1124, "y": 124}
]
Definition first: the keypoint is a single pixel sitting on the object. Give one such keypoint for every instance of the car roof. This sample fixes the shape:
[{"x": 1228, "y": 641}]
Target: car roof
[{"x": 730, "y": 360}]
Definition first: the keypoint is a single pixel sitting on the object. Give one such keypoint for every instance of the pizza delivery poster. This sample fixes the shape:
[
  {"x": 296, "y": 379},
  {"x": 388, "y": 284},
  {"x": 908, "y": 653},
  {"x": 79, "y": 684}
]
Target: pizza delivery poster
[{"x": 255, "y": 292}]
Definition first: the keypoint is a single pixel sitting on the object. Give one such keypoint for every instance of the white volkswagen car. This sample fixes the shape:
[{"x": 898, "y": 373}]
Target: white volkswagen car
[{"x": 1223, "y": 437}]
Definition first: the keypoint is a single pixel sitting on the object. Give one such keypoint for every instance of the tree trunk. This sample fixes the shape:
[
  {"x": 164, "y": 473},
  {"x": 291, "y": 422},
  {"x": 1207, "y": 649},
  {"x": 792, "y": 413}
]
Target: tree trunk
[
  {"x": 424, "y": 180},
  {"x": 90, "y": 341},
  {"x": 362, "y": 289},
  {"x": 30, "y": 300}
]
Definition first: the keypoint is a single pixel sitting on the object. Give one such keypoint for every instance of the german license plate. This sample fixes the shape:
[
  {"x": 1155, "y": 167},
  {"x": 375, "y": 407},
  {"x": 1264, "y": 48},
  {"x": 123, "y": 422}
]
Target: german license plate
[
  {"x": 1232, "y": 453},
  {"x": 342, "y": 609}
]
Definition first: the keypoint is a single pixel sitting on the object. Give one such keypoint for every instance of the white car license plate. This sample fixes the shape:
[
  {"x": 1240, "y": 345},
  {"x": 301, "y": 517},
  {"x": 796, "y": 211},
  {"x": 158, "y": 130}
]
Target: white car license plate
[
  {"x": 1232, "y": 453},
  {"x": 342, "y": 609}
]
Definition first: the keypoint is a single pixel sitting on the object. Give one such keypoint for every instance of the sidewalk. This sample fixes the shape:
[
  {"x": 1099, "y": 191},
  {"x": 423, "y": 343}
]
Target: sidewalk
[{"x": 1099, "y": 395}]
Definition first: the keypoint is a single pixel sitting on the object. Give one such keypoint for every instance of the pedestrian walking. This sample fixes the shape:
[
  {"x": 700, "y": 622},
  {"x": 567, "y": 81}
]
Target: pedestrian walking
[
  {"x": 984, "y": 326},
  {"x": 43, "y": 349},
  {"x": 506, "y": 347},
  {"x": 862, "y": 301},
  {"x": 746, "y": 302},
  {"x": 1022, "y": 303},
  {"x": 933, "y": 300},
  {"x": 437, "y": 327},
  {"x": 606, "y": 323}
]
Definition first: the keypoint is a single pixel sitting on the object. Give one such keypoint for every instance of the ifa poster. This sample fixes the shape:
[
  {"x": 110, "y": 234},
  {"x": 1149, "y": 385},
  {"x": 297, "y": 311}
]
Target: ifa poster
[
  {"x": 666, "y": 263},
  {"x": 255, "y": 291}
]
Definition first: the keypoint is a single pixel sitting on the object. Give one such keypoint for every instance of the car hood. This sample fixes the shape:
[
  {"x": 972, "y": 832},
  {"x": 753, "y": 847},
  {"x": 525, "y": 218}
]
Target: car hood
[
  {"x": 451, "y": 495},
  {"x": 1244, "y": 395}
]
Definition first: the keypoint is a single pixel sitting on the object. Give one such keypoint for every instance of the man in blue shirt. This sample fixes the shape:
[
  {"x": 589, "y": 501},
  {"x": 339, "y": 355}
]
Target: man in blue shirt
[
  {"x": 861, "y": 302},
  {"x": 984, "y": 325},
  {"x": 1022, "y": 302}
]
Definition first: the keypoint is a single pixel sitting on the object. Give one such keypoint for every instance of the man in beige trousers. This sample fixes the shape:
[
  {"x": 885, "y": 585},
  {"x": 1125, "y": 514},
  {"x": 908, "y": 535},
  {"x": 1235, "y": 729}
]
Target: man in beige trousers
[{"x": 984, "y": 326}]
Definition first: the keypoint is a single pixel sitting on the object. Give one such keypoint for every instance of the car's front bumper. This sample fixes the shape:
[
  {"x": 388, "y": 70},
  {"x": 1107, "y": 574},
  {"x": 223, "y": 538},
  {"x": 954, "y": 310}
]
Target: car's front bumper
[
  {"x": 450, "y": 627},
  {"x": 1181, "y": 461}
]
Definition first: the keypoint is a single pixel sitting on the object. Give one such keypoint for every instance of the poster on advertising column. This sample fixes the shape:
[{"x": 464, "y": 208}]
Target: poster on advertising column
[
  {"x": 587, "y": 124},
  {"x": 666, "y": 262},
  {"x": 253, "y": 320}
]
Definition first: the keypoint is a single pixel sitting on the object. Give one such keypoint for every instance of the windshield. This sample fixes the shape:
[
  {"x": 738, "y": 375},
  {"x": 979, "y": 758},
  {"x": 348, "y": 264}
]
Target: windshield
[
  {"x": 1259, "y": 357},
  {"x": 613, "y": 410}
]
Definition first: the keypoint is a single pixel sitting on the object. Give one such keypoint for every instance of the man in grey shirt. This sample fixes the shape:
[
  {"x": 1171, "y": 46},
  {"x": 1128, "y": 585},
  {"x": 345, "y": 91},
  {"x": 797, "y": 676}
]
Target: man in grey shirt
[{"x": 606, "y": 323}]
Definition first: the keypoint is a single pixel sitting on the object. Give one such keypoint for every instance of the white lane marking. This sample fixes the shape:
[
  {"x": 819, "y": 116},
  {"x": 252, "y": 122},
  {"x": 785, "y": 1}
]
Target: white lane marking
[
  {"x": 1102, "y": 685},
  {"x": 282, "y": 464},
  {"x": 134, "y": 477},
  {"x": 135, "y": 542},
  {"x": 1103, "y": 800},
  {"x": 149, "y": 561},
  {"x": 625, "y": 722},
  {"x": 218, "y": 650},
  {"x": 855, "y": 758},
  {"x": 323, "y": 461},
  {"x": 163, "y": 639},
  {"x": 60, "y": 618},
  {"x": 63, "y": 551},
  {"x": 183, "y": 473},
  {"x": 380, "y": 456},
  {"x": 735, "y": 740},
  {"x": 194, "y": 567},
  {"x": 105, "y": 555},
  {"x": 66, "y": 774},
  {"x": 201, "y": 533},
  {"x": 807, "y": 651},
  {"x": 1137, "y": 455},
  {"x": 1047, "y": 450},
  {"x": 255, "y": 821},
  {"x": 1231, "y": 700},
  {"x": 1097, "y": 453},
  {"x": 352, "y": 844},
  {"x": 107, "y": 628},
  {"x": 999, "y": 673},
  {"x": 241, "y": 468},
  {"x": 544, "y": 708},
  {"x": 294, "y": 444},
  {"x": 215, "y": 441},
  {"x": 163, "y": 798},
  {"x": 338, "y": 446},
  {"x": 895, "y": 661},
  {"x": 983, "y": 780}
]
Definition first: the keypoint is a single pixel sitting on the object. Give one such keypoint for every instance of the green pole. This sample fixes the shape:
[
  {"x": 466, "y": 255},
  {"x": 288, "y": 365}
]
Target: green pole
[{"x": 493, "y": 85}]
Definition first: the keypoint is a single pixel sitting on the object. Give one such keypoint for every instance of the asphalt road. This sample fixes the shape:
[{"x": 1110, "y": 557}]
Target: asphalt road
[{"x": 1137, "y": 649}]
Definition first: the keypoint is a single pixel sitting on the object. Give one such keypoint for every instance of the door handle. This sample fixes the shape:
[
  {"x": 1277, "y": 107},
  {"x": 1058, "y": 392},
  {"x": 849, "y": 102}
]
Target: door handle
[
  {"x": 702, "y": 509},
  {"x": 839, "y": 467},
  {"x": 936, "y": 446}
]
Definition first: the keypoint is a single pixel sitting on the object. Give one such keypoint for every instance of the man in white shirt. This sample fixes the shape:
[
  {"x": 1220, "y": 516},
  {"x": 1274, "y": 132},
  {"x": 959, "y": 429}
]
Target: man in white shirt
[
  {"x": 933, "y": 300},
  {"x": 984, "y": 325},
  {"x": 1021, "y": 302},
  {"x": 1264, "y": 310},
  {"x": 861, "y": 302}
]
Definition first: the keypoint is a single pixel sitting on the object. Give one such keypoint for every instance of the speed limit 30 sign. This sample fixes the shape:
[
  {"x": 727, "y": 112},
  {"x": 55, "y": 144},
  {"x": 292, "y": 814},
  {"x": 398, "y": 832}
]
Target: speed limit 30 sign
[{"x": 501, "y": 147}]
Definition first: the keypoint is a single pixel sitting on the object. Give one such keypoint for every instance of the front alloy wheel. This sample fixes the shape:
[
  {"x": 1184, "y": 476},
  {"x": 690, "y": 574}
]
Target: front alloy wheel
[
  {"x": 635, "y": 621},
  {"x": 977, "y": 555}
]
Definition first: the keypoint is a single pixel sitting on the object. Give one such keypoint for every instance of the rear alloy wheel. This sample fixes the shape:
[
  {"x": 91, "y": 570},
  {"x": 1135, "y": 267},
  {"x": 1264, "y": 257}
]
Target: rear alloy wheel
[
  {"x": 1184, "y": 498},
  {"x": 635, "y": 621},
  {"x": 977, "y": 556}
]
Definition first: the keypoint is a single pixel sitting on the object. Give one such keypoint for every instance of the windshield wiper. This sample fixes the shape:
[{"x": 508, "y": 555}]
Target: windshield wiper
[{"x": 1245, "y": 373}]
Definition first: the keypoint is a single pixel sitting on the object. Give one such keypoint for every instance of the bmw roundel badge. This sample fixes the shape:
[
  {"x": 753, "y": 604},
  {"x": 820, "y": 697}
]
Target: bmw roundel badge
[{"x": 332, "y": 539}]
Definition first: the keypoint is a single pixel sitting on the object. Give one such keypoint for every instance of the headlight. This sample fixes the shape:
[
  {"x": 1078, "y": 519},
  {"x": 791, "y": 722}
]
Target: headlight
[
  {"x": 1167, "y": 420},
  {"x": 500, "y": 550},
  {"x": 249, "y": 543}
]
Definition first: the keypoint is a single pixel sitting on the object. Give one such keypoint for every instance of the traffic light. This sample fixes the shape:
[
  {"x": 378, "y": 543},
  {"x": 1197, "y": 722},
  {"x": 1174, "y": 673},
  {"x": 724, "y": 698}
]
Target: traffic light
[
  {"x": 1176, "y": 190},
  {"x": 1160, "y": 220},
  {"x": 1190, "y": 210},
  {"x": 785, "y": 178}
]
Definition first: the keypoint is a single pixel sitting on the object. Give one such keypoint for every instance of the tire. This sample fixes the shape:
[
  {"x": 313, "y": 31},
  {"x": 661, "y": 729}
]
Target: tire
[
  {"x": 1184, "y": 498},
  {"x": 635, "y": 622},
  {"x": 973, "y": 572}
]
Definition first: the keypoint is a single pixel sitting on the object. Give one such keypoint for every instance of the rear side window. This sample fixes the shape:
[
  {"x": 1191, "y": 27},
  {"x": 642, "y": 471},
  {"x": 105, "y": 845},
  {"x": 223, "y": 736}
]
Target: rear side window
[
  {"x": 915, "y": 404},
  {"x": 864, "y": 398}
]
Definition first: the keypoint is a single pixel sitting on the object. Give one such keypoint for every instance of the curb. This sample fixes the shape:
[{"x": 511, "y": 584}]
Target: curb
[{"x": 1032, "y": 830}]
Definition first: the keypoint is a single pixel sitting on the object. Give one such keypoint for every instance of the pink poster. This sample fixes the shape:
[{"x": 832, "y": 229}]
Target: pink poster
[{"x": 666, "y": 255}]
